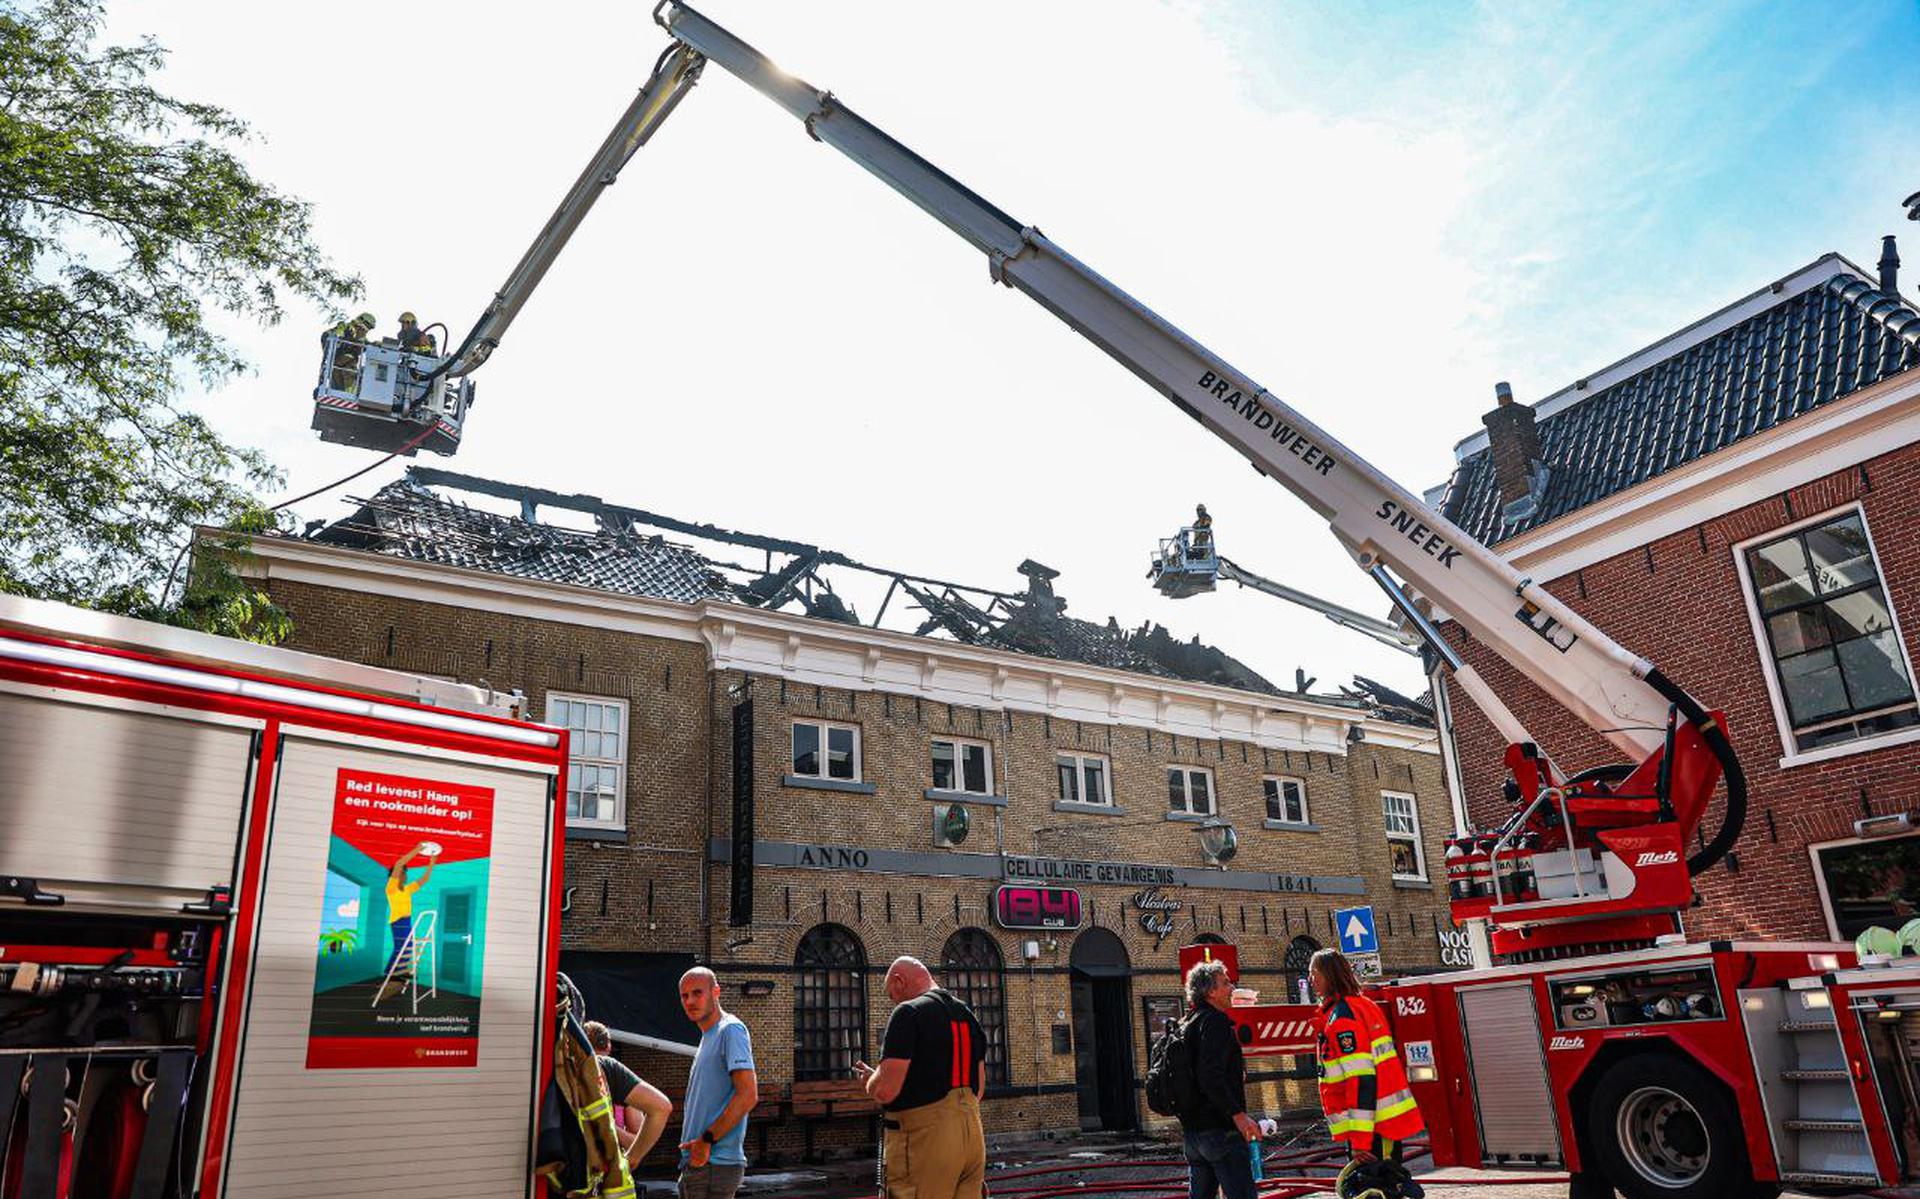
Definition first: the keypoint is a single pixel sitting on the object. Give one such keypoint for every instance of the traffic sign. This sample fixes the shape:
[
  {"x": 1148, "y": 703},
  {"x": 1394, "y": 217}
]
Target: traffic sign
[{"x": 1355, "y": 929}]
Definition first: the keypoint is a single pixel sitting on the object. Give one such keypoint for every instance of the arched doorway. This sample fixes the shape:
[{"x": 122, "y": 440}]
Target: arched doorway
[
  {"x": 1294, "y": 963},
  {"x": 1103, "y": 1032}
]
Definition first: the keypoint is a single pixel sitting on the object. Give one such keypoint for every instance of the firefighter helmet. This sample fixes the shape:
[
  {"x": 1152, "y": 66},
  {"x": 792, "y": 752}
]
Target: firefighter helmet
[
  {"x": 1377, "y": 1179},
  {"x": 407, "y": 318}
]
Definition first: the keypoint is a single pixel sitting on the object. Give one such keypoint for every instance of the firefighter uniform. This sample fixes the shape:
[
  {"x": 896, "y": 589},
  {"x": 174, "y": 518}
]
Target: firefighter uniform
[
  {"x": 1363, "y": 1086},
  {"x": 350, "y": 336}
]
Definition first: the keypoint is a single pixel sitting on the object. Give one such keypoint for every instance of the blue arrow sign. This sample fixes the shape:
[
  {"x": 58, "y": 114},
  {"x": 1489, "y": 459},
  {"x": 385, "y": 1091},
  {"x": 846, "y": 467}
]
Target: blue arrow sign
[{"x": 1354, "y": 927}]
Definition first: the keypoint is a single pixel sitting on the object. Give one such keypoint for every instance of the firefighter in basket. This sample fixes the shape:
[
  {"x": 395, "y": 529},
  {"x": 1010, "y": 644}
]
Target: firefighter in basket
[
  {"x": 413, "y": 339},
  {"x": 351, "y": 338},
  {"x": 1363, "y": 1085}
]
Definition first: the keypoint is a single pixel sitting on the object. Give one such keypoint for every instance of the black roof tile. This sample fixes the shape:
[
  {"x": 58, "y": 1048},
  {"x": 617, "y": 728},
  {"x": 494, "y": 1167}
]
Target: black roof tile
[{"x": 1812, "y": 348}]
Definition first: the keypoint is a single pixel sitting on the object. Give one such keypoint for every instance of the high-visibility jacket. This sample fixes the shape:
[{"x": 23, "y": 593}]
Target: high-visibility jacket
[
  {"x": 583, "y": 1088},
  {"x": 1363, "y": 1086}
]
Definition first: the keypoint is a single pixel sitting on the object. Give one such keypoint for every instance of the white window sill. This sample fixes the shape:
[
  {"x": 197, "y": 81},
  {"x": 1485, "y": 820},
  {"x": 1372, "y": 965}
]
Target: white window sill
[
  {"x": 1847, "y": 749},
  {"x": 1191, "y": 817},
  {"x": 1407, "y": 882},
  {"x": 1095, "y": 809}
]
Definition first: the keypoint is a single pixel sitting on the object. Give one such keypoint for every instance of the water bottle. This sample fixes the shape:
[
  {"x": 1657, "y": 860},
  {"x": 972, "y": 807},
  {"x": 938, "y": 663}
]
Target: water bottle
[{"x": 1259, "y": 1165}]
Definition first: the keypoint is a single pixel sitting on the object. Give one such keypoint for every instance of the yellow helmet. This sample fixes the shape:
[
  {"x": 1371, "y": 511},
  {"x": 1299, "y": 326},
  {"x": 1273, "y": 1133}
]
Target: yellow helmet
[
  {"x": 407, "y": 318},
  {"x": 365, "y": 318}
]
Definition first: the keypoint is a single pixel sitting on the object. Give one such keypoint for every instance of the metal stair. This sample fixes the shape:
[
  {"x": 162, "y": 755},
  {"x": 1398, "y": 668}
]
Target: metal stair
[{"x": 1813, "y": 1115}]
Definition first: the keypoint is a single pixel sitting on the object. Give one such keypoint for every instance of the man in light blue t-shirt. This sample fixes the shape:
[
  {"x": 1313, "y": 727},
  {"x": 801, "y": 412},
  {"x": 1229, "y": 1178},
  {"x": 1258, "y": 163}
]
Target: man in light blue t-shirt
[{"x": 721, "y": 1090}]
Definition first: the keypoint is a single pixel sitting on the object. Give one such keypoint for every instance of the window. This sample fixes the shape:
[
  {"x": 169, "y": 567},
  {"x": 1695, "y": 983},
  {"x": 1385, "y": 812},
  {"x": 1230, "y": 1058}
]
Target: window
[
  {"x": 1869, "y": 884},
  {"x": 972, "y": 971},
  {"x": 1841, "y": 671},
  {"x": 596, "y": 758},
  {"x": 829, "y": 1004},
  {"x": 1190, "y": 789},
  {"x": 826, "y": 751},
  {"x": 1286, "y": 799},
  {"x": 962, "y": 766},
  {"x": 1404, "y": 850},
  {"x": 1083, "y": 779}
]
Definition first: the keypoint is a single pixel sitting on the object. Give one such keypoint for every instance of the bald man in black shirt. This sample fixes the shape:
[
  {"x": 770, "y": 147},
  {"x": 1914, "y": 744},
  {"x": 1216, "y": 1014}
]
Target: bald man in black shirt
[{"x": 931, "y": 1075}]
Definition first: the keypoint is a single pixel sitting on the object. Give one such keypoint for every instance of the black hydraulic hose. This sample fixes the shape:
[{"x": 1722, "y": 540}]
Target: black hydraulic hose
[{"x": 1736, "y": 779}]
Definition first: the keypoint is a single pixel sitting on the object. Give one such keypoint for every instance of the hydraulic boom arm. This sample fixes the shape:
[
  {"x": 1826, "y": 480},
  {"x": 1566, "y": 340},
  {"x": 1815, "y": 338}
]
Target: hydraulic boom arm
[
  {"x": 1587, "y": 837},
  {"x": 1617, "y": 693}
]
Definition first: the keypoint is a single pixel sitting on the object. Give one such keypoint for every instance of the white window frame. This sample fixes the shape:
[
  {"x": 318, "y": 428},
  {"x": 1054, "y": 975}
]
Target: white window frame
[
  {"x": 1080, "y": 761},
  {"x": 859, "y": 765},
  {"x": 576, "y": 758},
  {"x": 1419, "y": 848},
  {"x": 959, "y": 770},
  {"x": 1769, "y": 671},
  {"x": 1820, "y": 876},
  {"x": 1306, "y": 815},
  {"x": 1186, "y": 790}
]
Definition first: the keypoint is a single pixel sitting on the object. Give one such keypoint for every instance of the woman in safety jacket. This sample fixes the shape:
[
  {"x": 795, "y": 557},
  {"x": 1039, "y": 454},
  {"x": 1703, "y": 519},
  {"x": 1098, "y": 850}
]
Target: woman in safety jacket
[{"x": 1363, "y": 1086}]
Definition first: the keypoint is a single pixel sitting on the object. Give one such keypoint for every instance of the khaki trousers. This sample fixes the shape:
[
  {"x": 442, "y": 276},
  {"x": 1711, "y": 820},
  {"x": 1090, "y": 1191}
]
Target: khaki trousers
[{"x": 938, "y": 1151}]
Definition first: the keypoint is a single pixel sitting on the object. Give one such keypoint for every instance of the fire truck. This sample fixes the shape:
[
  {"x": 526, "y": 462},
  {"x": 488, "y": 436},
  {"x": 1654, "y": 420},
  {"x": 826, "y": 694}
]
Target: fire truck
[
  {"x": 1606, "y": 1042},
  {"x": 269, "y": 923}
]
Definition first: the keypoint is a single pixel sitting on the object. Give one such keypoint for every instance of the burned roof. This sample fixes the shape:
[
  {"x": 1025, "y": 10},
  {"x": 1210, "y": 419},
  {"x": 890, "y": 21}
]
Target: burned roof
[
  {"x": 626, "y": 552},
  {"x": 1815, "y": 345},
  {"x": 407, "y": 520}
]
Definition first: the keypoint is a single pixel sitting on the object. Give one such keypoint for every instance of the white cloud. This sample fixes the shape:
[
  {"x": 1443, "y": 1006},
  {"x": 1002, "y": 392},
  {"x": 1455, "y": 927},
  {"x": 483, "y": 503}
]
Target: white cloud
[{"x": 349, "y": 910}]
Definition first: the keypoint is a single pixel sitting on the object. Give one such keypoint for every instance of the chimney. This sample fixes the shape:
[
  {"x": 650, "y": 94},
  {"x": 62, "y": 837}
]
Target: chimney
[
  {"x": 1889, "y": 267},
  {"x": 1514, "y": 443}
]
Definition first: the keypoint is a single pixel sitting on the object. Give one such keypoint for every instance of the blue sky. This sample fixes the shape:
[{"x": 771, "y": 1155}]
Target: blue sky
[{"x": 1378, "y": 210}]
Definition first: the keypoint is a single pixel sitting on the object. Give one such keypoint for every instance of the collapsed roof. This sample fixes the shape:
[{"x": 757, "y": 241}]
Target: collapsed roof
[{"x": 627, "y": 551}]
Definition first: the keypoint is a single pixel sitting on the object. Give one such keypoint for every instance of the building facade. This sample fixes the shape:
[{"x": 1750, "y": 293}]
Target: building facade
[
  {"x": 1737, "y": 503},
  {"x": 796, "y": 801}
]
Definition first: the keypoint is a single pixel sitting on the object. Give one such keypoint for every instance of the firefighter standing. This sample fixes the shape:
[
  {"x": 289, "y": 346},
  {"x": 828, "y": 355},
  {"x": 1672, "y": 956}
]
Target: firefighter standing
[{"x": 1363, "y": 1085}]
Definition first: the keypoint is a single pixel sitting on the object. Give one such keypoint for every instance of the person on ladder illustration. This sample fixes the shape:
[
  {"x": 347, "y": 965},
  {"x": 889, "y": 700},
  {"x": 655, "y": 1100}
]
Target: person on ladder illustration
[{"x": 400, "y": 895}]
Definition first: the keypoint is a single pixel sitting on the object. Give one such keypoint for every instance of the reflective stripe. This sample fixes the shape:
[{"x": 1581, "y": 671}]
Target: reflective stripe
[
  {"x": 1382, "y": 1048},
  {"x": 1397, "y": 1104},
  {"x": 1347, "y": 1068},
  {"x": 598, "y": 1107}
]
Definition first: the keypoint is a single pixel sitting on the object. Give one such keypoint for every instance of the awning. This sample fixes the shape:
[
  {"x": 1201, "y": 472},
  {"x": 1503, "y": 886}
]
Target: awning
[{"x": 633, "y": 992}]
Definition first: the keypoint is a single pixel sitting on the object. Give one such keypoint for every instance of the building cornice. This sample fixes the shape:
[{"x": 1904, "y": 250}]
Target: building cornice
[{"x": 816, "y": 652}]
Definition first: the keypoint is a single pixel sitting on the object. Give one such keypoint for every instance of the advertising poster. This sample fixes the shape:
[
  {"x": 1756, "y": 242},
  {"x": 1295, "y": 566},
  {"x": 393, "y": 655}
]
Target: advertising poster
[{"x": 402, "y": 925}]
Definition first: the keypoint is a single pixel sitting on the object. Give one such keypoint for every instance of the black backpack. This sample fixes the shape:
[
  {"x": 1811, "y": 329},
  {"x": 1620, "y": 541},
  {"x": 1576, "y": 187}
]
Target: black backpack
[{"x": 1172, "y": 1087}]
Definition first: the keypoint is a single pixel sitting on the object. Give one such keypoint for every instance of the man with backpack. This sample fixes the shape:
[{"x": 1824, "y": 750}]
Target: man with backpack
[{"x": 1199, "y": 1075}]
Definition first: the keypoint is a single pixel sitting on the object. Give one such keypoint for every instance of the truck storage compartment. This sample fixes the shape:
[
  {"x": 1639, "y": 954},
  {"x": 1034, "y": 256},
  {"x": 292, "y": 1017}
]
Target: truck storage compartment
[
  {"x": 1512, "y": 1100},
  {"x": 122, "y": 807}
]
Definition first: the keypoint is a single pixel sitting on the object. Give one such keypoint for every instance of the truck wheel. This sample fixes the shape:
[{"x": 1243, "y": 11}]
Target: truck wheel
[{"x": 1663, "y": 1129}]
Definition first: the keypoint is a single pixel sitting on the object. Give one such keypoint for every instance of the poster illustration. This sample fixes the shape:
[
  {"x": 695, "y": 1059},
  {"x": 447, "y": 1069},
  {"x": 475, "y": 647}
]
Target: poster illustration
[{"x": 402, "y": 926}]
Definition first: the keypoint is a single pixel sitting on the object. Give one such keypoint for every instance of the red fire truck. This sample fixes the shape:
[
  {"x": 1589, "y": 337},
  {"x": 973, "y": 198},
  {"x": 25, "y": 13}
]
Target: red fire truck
[
  {"x": 1608, "y": 1043},
  {"x": 269, "y": 923}
]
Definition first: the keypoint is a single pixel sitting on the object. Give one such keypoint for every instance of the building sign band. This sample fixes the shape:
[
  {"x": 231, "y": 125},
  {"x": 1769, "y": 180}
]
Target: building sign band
[{"x": 1021, "y": 907}]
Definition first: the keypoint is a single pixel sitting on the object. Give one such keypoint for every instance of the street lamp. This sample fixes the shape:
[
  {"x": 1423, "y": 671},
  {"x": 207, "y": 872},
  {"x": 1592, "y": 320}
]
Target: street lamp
[{"x": 1218, "y": 841}]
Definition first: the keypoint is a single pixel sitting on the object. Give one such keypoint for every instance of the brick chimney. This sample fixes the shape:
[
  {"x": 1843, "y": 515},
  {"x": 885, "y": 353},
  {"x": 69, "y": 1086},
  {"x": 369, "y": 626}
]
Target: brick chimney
[
  {"x": 1514, "y": 443},
  {"x": 1889, "y": 267}
]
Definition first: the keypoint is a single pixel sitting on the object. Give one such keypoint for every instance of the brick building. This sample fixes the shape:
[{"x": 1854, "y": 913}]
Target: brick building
[
  {"x": 712, "y": 722},
  {"x": 1740, "y": 503}
]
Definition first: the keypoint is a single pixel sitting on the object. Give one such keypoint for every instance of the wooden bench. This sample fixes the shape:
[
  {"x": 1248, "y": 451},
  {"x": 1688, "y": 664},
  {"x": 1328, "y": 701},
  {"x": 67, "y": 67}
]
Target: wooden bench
[{"x": 816, "y": 1103}]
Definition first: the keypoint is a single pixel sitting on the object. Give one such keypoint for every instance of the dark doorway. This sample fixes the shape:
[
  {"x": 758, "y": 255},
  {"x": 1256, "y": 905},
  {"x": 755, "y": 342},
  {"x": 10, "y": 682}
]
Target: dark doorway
[
  {"x": 1103, "y": 1032},
  {"x": 456, "y": 940}
]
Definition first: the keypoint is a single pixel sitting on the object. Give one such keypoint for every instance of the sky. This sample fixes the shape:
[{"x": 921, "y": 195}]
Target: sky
[{"x": 1378, "y": 210}]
